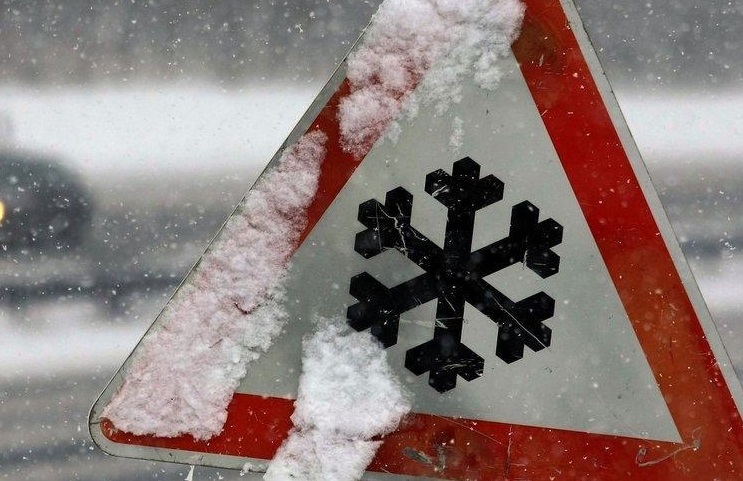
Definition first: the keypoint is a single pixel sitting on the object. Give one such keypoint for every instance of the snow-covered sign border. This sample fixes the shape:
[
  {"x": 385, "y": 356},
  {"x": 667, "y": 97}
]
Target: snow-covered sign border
[{"x": 647, "y": 268}]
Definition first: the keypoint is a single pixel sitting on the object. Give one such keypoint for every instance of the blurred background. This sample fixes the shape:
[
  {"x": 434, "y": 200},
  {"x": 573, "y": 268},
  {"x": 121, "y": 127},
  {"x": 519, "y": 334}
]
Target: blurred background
[{"x": 130, "y": 129}]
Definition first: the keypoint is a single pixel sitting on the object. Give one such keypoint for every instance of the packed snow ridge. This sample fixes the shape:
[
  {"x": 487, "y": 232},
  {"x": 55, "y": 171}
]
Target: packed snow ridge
[
  {"x": 347, "y": 395},
  {"x": 434, "y": 42},
  {"x": 187, "y": 368}
]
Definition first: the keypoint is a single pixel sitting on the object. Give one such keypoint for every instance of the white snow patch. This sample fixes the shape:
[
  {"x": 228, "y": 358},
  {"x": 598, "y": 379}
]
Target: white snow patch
[
  {"x": 437, "y": 42},
  {"x": 347, "y": 396},
  {"x": 187, "y": 368},
  {"x": 312, "y": 455}
]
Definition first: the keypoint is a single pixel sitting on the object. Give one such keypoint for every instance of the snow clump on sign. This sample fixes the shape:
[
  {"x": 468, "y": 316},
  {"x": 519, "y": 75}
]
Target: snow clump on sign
[
  {"x": 347, "y": 395},
  {"x": 434, "y": 42},
  {"x": 226, "y": 314}
]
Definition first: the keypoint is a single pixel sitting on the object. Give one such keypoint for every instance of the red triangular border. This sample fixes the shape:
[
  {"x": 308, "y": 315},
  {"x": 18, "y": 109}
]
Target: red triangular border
[{"x": 645, "y": 277}]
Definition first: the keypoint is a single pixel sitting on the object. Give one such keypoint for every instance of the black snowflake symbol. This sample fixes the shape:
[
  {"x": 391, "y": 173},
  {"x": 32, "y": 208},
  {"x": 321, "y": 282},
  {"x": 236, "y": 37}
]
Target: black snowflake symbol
[{"x": 455, "y": 274}]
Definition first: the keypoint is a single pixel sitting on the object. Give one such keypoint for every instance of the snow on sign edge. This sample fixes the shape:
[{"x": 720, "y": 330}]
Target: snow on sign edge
[
  {"x": 187, "y": 368},
  {"x": 434, "y": 42},
  {"x": 184, "y": 373}
]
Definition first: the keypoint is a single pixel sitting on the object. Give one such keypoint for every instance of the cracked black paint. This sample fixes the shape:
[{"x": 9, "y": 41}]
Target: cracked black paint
[{"x": 454, "y": 275}]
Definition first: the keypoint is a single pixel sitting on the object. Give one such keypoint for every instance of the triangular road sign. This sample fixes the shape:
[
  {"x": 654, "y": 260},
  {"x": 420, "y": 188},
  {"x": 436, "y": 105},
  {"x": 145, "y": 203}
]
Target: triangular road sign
[{"x": 578, "y": 344}]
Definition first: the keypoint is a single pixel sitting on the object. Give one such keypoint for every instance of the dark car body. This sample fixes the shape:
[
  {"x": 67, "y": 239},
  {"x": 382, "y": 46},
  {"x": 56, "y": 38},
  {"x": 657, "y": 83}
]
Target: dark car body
[{"x": 45, "y": 208}]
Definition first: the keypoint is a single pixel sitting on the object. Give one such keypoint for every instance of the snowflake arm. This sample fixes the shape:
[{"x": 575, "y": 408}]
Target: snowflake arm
[{"x": 454, "y": 275}]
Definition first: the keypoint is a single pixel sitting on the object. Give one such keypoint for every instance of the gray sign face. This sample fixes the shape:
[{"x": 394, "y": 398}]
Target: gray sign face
[{"x": 590, "y": 376}]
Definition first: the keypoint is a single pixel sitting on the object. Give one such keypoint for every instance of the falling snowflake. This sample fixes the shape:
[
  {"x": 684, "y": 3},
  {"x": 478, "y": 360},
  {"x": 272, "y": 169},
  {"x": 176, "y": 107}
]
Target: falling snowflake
[{"x": 455, "y": 275}]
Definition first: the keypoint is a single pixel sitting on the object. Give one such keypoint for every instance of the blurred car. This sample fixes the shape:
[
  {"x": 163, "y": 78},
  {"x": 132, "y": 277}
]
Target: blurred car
[
  {"x": 45, "y": 226},
  {"x": 44, "y": 208}
]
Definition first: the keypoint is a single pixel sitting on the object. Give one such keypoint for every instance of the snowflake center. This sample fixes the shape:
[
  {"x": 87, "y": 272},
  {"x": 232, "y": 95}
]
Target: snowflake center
[{"x": 454, "y": 275}]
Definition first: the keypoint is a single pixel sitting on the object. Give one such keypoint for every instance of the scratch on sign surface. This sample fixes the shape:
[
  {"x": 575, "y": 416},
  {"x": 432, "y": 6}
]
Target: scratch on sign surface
[{"x": 695, "y": 445}]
